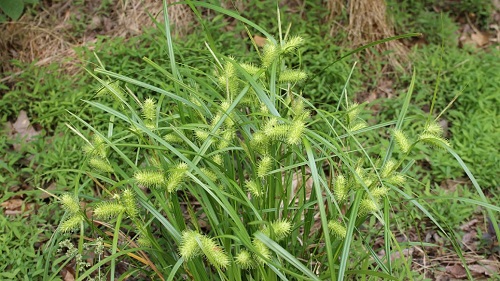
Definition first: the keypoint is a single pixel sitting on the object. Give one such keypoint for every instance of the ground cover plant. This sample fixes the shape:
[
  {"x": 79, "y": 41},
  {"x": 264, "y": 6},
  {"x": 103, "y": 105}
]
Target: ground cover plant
[
  {"x": 226, "y": 172},
  {"x": 56, "y": 151}
]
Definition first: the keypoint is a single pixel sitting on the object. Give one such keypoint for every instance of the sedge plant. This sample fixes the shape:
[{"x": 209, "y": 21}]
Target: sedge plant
[{"x": 233, "y": 175}]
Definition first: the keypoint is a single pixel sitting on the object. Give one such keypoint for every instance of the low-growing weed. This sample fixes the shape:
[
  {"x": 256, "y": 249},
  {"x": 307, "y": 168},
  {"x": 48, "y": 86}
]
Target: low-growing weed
[{"x": 233, "y": 175}]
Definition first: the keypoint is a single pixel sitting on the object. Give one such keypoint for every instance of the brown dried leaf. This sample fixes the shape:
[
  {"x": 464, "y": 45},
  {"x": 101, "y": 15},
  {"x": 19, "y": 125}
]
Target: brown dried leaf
[
  {"x": 467, "y": 226},
  {"x": 468, "y": 240},
  {"x": 259, "y": 40},
  {"x": 51, "y": 187},
  {"x": 487, "y": 269},
  {"x": 457, "y": 271},
  {"x": 480, "y": 38},
  {"x": 12, "y": 204},
  {"x": 67, "y": 274},
  {"x": 22, "y": 129}
]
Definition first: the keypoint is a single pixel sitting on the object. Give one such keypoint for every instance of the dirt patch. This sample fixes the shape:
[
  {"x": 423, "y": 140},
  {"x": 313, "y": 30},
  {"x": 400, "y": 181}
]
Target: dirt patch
[{"x": 50, "y": 31}]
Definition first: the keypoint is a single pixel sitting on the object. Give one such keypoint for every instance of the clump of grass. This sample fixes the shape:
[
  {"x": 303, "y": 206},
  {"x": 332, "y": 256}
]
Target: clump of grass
[{"x": 234, "y": 174}]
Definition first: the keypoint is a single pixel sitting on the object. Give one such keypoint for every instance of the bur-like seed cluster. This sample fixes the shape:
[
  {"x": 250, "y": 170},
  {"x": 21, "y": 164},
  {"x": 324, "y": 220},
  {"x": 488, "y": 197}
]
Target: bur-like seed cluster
[
  {"x": 75, "y": 217},
  {"x": 176, "y": 176},
  {"x": 264, "y": 166},
  {"x": 292, "y": 44},
  {"x": 72, "y": 223},
  {"x": 433, "y": 140},
  {"x": 262, "y": 252},
  {"x": 280, "y": 228},
  {"x": 402, "y": 141},
  {"x": 340, "y": 190},
  {"x": 151, "y": 179},
  {"x": 388, "y": 168},
  {"x": 367, "y": 206},
  {"x": 129, "y": 202},
  {"x": 254, "y": 188},
  {"x": 101, "y": 165},
  {"x": 337, "y": 229},
  {"x": 292, "y": 76},
  {"x": 244, "y": 260},
  {"x": 194, "y": 244},
  {"x": 70, "y": 203},
  {"x": 149, "y": 109},
  {"x": 108, "y": 210},
  {"x": 270, "y": 53}
]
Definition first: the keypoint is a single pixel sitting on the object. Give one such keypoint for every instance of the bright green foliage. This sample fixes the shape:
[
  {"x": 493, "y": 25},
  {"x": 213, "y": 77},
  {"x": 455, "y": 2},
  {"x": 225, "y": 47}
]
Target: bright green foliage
[
  {"x": 201, "y": 136},
  {"x": 244, "y": 146}
]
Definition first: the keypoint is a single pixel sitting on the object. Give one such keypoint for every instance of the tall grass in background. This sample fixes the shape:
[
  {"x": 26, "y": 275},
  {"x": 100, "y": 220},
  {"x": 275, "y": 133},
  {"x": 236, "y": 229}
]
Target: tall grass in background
[{"x": 233, "y": 175}]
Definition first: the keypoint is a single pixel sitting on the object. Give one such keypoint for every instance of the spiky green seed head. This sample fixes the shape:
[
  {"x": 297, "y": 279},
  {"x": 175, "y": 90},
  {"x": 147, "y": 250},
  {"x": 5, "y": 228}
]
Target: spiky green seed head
[
  {"x": 396, "y": 179},
  {"x": 269, "y": 126},
  {"x": 379, "y": 192},
  {"x": 402, "y": 141},
  {"x": 209, "y": 174},
  {"x": 98, "y": 147},
  {"x": 150, "y": 179},
  {"x": 358, "y": 125},
  {"x": 108, "y": 210},
  {"x": 434, "y": 141},
  {"x": 214, "y": 253},
  {"x": 264, "y": 166},
  {"x": 367, "y": 206},
  {"x": 173, "y": 138},
  {"x": 360, "y": 172},
  {"x": 292, "y": 44},
  {"x": 263, "y": 251},
  {"x": 215, "y": 120},
  {"x": 189, "y": 247},
  {"x": 113, "y": 89},
  {"x": 226, "y": 139},
  {"x": 229, "y": 69},
  {"x": 130, "y": 203},
  {"x": 143, "y": 241},
  {"x": 149, "y": 109},
  {"x": 298, "y": 107},
  {"x": 201, "y": 135},
  {"x": 224, "y": 106},
  {"x": 250, "y": 68},
  {"x": 281, "y": 229},
  {"x": 270, "y": 53},
  {"x": 244, "y": 260},
  {"x": 259, "y": 141},
  {"x": 254, "y": 188},
  {"x": 340, "y": 190},
  {"x": 176, "y": 176},
  {"x": 292, "y": 76},
  {"x": 337, "y": 229},
  {"x": 70, "y": 203},
  {"x": 388, "y": 168},
  {"x": 218, "y": 159},
  {"x": 434, "y": 128},
  {"x": 295, "y": 133},
  {"x": 352, "y": 113},
  {"x": 72, "y": 223},
  {"x": 264, "y": 109},
  {"x": 100, "y": 165}
]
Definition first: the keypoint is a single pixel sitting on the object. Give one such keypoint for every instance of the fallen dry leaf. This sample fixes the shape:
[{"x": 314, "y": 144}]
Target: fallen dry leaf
[
  {"x": 487, "y": 269},
  {"x": 12, "y": 204},
  {"x": 456, "y": 270},
  {"x": 259, "y": 40},
  {"x": 467, "y": 226},
  {"x": 67, "y": 275},
  {"x": 51, "y": 187},
  {"x": 22, "y": 129},
  {"x": 480, "y": 39}
]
